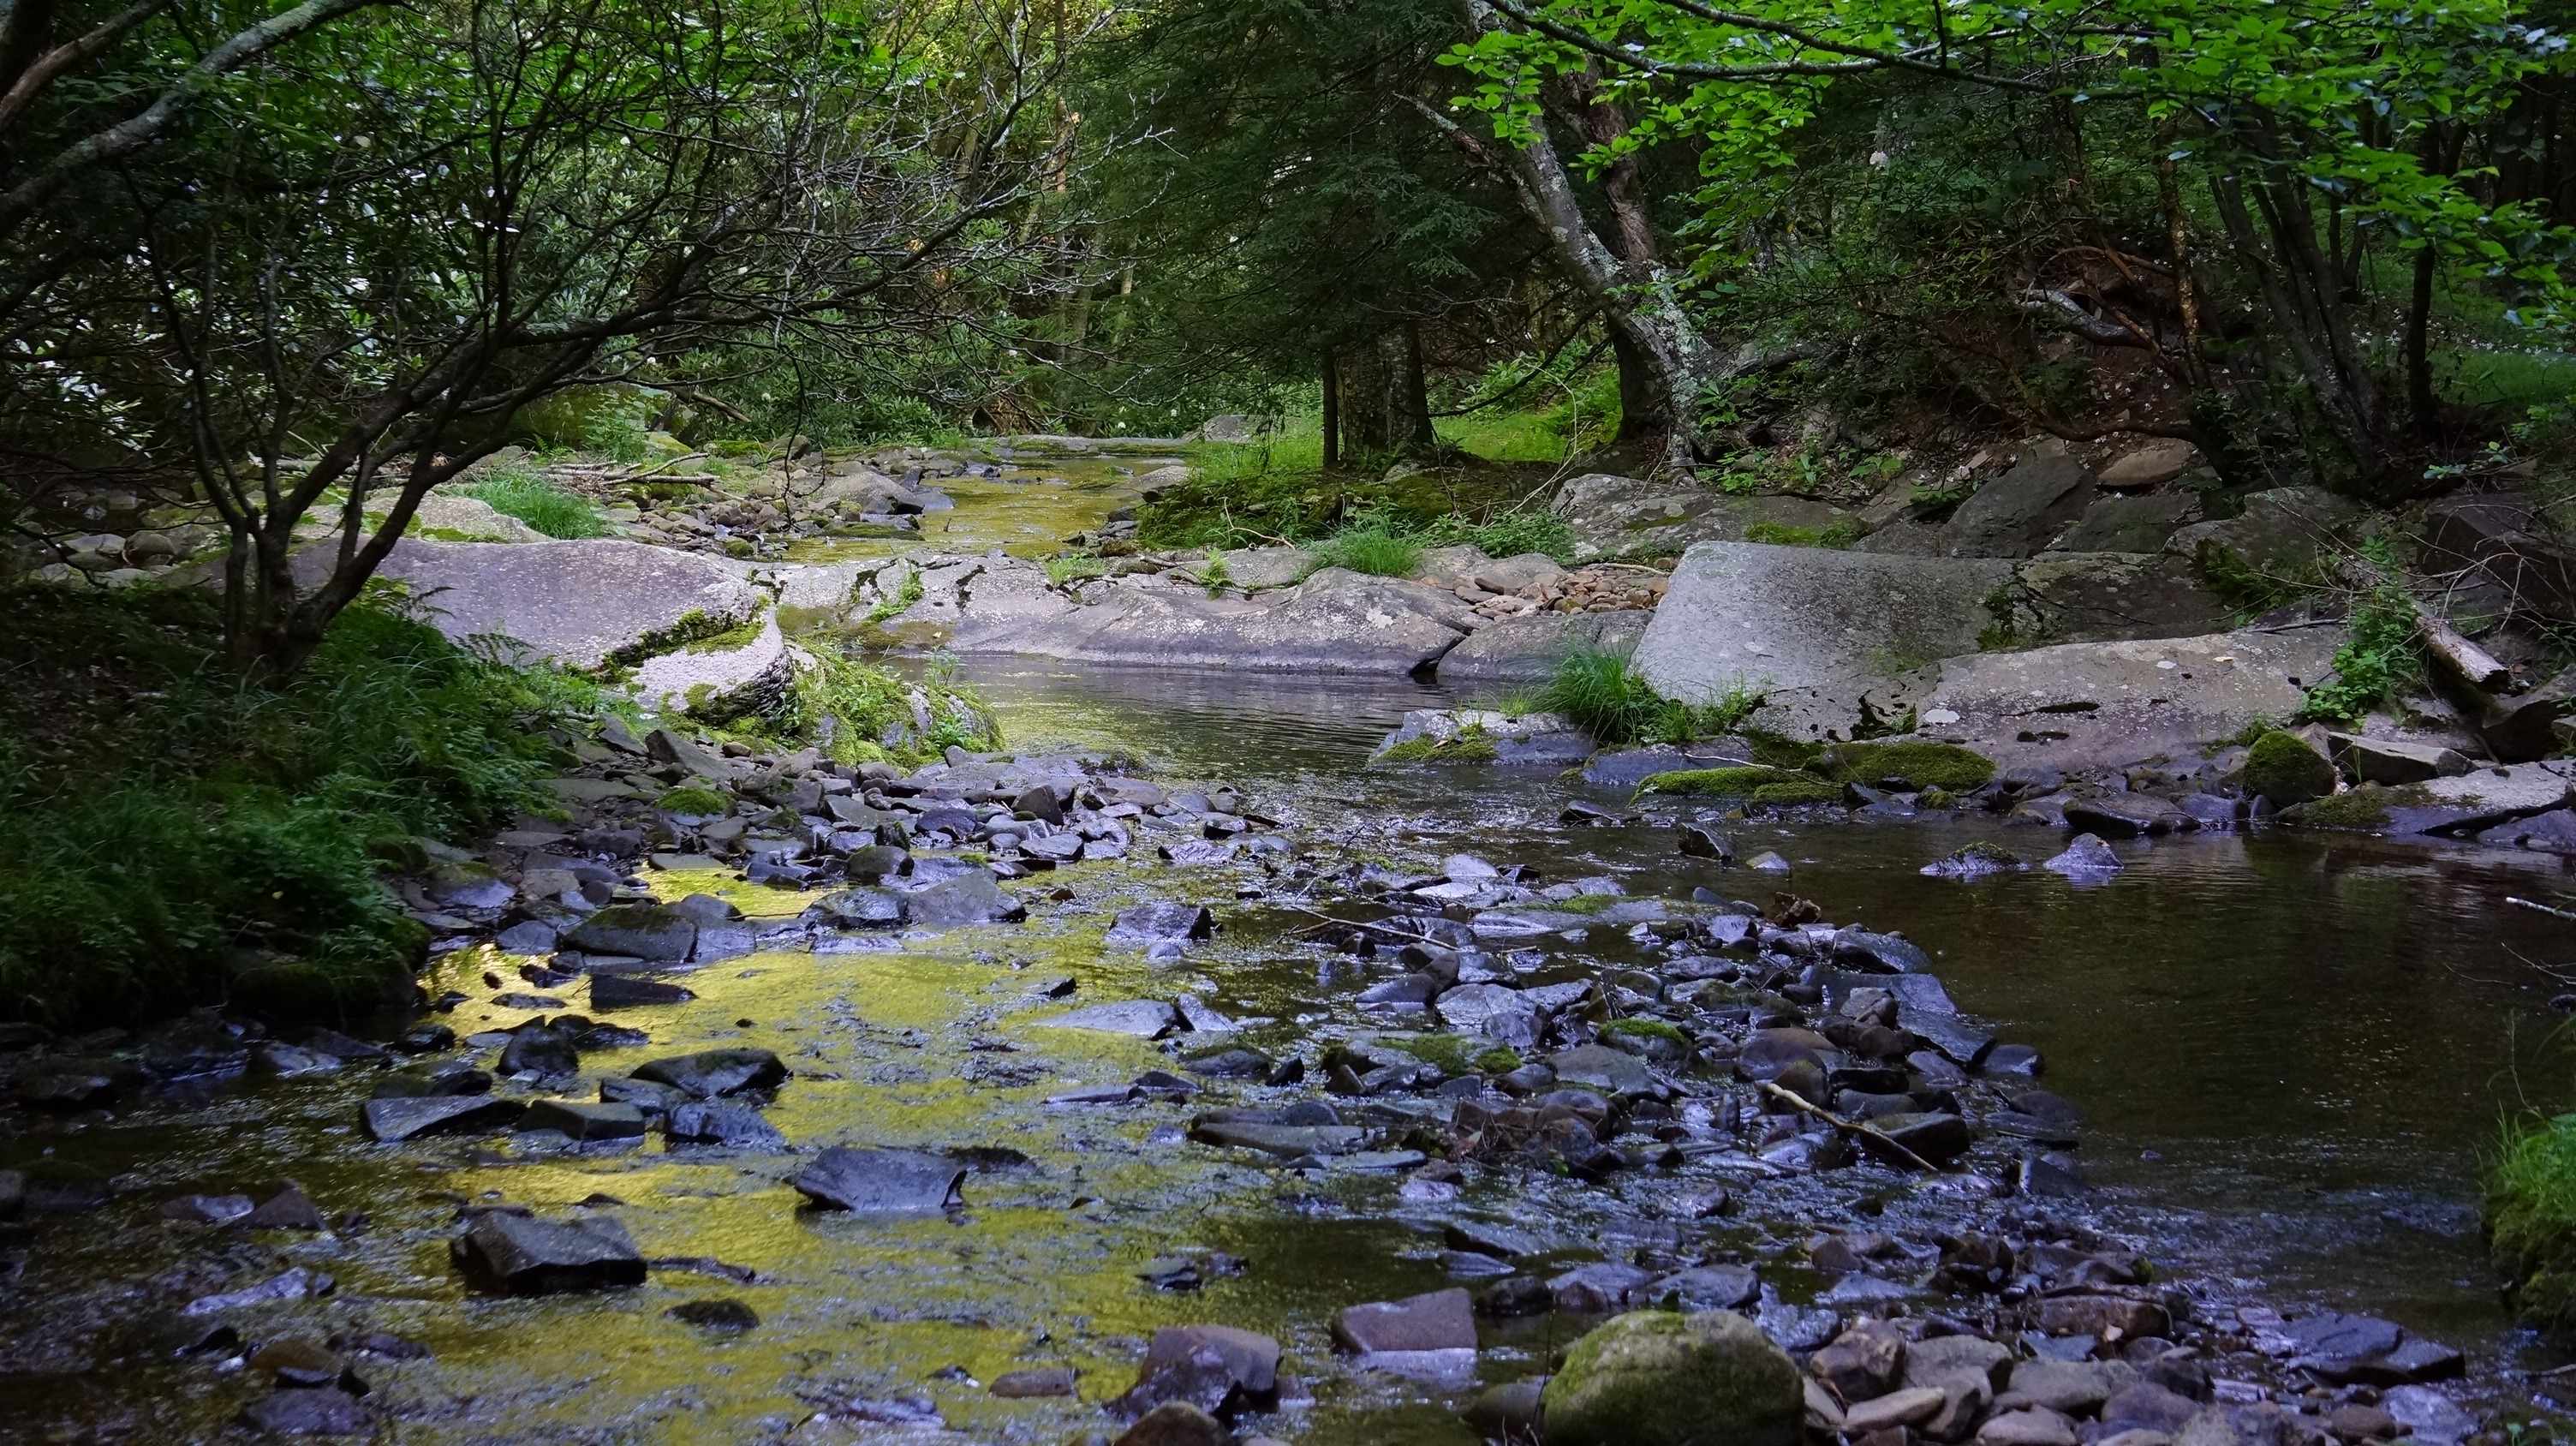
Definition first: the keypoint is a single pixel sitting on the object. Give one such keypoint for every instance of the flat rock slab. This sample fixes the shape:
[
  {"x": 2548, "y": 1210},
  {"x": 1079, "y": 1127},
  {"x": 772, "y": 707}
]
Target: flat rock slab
[
  {"x": 575, "y": 602},
  {"x": 1335, "y": 621},
  {"x": 513, "y": 1255},
  {"x": 880, "y": 1181},
  {"x": 1813, "y": 630},
  {"x": 687, "y": 679},
  {"x": 1602, "y": 1066},
  {"x": 969, "y": 898},
  {"x": 410, "y": 1117},
  {"x": 1286, "y": 1141},
  {"x": 2100, "y": 596},
  {"x": 716, "y": 1072},
  {"x": 1615, "y": 516},
  {"x": 1443, "y": 1320},
  {"x": 1162, "y": 920},
  {"x": 2076, "y": 705},
  {"x": 1527, "y": 649},
  {"x": 722, "y": 1124},
  {"x": 1143, "y": 1018}
]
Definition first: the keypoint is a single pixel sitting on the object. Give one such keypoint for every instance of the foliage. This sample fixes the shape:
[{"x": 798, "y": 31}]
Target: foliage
[
  {"x": 1509, "y": 534},
  {"x": 1071, "y": 568},
  {"x": 1472, "y": 745},
  {"x": 1371, "y": 547},
  {"x": 906, "y": 593},
  {"x": 1600, "y": 692},
  {"x": 165, "y": 827},
  {"x": 854, "y": 712},
  {"x": 2530, "y": 1215},
  {"x": 1835, "y": 535},
  {"x": 539, "y": 503},
  {"x": 2376, "y": 661}
]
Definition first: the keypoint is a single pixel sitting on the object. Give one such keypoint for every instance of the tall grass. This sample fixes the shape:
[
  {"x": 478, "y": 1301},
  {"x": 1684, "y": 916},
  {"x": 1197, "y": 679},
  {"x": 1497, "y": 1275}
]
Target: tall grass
[
  {"x": 1603, "y": 694},
  {"x": 539, "y": 503},
  {"x": 1378, "y": 548},
  {"x": 169, "y": 833}
]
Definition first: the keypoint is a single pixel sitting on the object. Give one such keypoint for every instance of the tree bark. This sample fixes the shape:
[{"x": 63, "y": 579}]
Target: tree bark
[
  {"x": 1384, "y": 406},
  {"x": 1365, "y": 430},
  {"x": 1332, "y": 413}
]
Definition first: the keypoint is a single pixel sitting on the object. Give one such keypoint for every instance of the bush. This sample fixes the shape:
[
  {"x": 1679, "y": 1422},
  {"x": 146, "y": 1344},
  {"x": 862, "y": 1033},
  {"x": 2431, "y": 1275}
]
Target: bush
[
  {"x": 1509, "y": 535},
  {"x": 1376, "y": 548},
  {"x": 1600, "y": 693},
  {"x": 539, "y": 503},
  {"x": 167, "y": 830}
]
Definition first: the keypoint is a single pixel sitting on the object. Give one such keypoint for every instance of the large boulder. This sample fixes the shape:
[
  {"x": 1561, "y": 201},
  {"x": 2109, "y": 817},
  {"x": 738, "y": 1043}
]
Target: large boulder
[
  {"x": 693, "y": 676},
  {"x": 2128, "y": 524},
  {"x": 2083, "y": 597},
  {"x": 450, "y": 518},
  {"x": 2278, "y": 529},
  {"x": 1815, "y": 631},
  {"x": 2021, "y": 511},
  {"x": 2082, "y": 704},
  {"x": 1336, "y": 621},
  {"x": 1655, "y": 1378},
  {"x": 573, "y": 602}
]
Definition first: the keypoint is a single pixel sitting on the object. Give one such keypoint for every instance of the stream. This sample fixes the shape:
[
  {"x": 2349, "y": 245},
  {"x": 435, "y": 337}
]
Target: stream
[{"x": 2289, "y": 1051}]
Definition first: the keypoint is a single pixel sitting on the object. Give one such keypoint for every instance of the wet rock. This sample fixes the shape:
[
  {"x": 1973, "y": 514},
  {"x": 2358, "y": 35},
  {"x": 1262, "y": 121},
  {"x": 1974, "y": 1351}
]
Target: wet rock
[
  {"x": 2086, "y": 857},
  {"x": 2431, "y": 1417},
  {"x": 1881, "y": 953},
  {"x": 2035, "y": 1426},
  {"x": 329, "y": 1412},
  {"x": 288, "y": 1209},
  {"x": 207, "y": 1209},
  {"x": 1174, "y": 1423},
  {"x": 534, "y": 1047},
  {"x": 1653, "y": 1378},
  {"x": 857, "y": 909},
  {"x": 2147, "y": 1406},
  {"x": 2098, "y": 1315},
  {"x": 1912, "y": 1406},
  {"x": 411, "y": 1117},
  {"x": 2074, "y": 1388},
  {"x": 879, "y": 1181},
  {"x": 971, "y": 898},
  {"x": 1142, "y": 1018},
  {"x": 2020, "y": 1060},
  {"x": 1033, "y": 1382},
  {"x": 2376, "y": 1352},
  {"x": 1599, "y": 1289},
  {"x": 1507, "y": 1412},
  {"x": 2287, "y": 769},
  {"x": 722, "y": 1124},
  {"x": 1493, "y": 1011},
  {"x": 1289, "y": 1141},
  {"x": 641, "y": 931},
  {"x": 64, "y": 1089},
  {"x": 1708, "y": 1287},
  {"x": 287, "y": 1061},
  {"x": 1975, "y": 862},
  {"x": 711, "y": 1074},
  {"x": 1862, "y": 1363},
  {"x": 585, "y": 1122},
  {"x": 2389, "y": 760},
  {"x": 1217, "y": 1369},
  {"x": 1934, "y": 1136},
  {"x": 295, "y": 1283},
  {"x": 1768, "y": 1053},
  {"x": 1599, "y": 1065},
  {"x": 514, "y": 1255},
  {"x": 2127, "y": 815},
  {"x": 1443, "y": 1320},
  {"x": 1230, "y": 1061},
  {"x": 730, "y": 1316},
  {"x": 526, "y": 937},
  {"x": 1483, "y": 1237},
  {"x": 1699, "y": 841},
  {"x": 1150, "y": 923},
  {"x": 624, "y": 991}
]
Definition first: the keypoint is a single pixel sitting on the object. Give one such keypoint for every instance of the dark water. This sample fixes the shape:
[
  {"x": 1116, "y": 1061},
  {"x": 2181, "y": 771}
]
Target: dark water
[{"x": 2291, "y": 1052}]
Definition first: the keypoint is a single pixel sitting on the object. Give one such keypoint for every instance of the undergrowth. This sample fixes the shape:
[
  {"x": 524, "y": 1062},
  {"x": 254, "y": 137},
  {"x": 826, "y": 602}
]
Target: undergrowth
[
  {"x": 1603, "y": 694},
  {"x": 2375, "y": 663},
  {"x": 1374, "y": 548},
  {"x": 171, "y": 835},
  {"x": 539, "y": 503}
]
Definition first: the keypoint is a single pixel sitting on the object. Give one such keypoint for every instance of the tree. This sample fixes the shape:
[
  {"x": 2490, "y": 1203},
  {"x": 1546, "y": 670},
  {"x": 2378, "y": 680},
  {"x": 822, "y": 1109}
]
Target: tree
[
  {"x": 2312, "y": 133},
  {"x": 346, "y": 281}
]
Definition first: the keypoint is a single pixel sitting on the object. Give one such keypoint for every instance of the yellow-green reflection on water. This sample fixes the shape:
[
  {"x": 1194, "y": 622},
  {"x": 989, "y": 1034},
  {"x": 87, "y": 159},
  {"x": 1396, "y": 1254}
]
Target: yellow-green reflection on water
[{"x": 1027, "y": 512}]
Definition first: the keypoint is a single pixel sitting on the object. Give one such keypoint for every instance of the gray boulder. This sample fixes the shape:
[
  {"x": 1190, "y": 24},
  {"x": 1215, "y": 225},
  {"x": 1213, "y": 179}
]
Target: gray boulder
[
  {"x": 1615, "y": 516},
  {"x": 1336, "y": 621},
  {"x": 1527, "y": 649},
  {"x": 714, "y": 1073},
  {"x": 643, "y": 931},
  {"x": 2099, "y": 596},
  {"x": 969, "y": 898},
  {"x": 406, "y": 1117},
  {"x": 2021, "y": 511},
  {"x": 2278, "y": 529},
  {"x": 513, "y": 1255},
  {"x": 879, "y": 1181},
  {"x": 2128, "y": 524},
  {"x": 1814, "y": 631},
  {"x": 574, "y": 602}
]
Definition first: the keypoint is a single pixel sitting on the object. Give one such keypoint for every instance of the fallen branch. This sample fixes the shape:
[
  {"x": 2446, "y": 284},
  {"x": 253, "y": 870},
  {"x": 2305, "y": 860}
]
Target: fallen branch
[
  {"x": 1857, "y": 1127},
  {"x": 2543, "y": 908}
]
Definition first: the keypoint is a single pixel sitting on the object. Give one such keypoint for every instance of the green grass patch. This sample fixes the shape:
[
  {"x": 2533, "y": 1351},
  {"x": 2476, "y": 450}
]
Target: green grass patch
[
  {"x": 1472, "y": 745},
  {"x": 1073, "y": 567},
  {"x": 853, "y": 713},
  {"x": 2531, "y": 1221},
  {"x": 171, "y": 835},
  {"x": 906, "y": 593},
  {"x": 1834, "y": 535},
  {"x": 1586, "y": 903},
  {"x": 2375, "y": 662},
  {"x": 1376, "y": 548},
  {"x": 539, "y": 503},
  {"x": 1509, "y": 534}
]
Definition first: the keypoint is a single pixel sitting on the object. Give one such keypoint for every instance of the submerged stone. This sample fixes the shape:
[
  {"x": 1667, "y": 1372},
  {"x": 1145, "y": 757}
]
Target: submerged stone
[
  {"x": 879, "y": 1181},
  {"x": 513, "y": 1255}
]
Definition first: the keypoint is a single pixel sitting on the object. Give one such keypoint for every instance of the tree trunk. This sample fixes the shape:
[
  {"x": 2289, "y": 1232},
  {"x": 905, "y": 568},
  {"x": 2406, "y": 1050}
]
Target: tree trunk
[
  {"x": 1408, "y": 402},
  {"x": 1379, "y": 393},
  {"x": 1363, "y": 389},
  {"x": 1332, "y": 413}
]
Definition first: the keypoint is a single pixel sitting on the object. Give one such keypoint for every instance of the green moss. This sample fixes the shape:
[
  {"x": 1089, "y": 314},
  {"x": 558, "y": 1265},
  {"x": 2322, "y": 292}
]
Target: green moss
[
  {"x": 692, "y": 627},
  {"x": 1447, "y": 1051},
  {"x": 1502, "y": 1059},
  {"x": 1657, "y": 1378},
  {"x": 1714, "y": 782},
  {"x": 1771, "y": 750},
  {"x": 1472, "y": 745},
  {"x": 1586, "y": 903},
  {"x": 1798, "y": 792},
  {"x": 906, "y": 594},
  {"x": 1648, "y": 1029},
  {"x": 1906, "y": 765},
  {"x": 2531, "y": 1222},
  {"x": 1832, "y": 535},
  {"x": 694, "y": 803},
  {"x": 2365, "y": 807},
  {"x": 854, "y": 713},
  {"x": 2283, "y": 768}
]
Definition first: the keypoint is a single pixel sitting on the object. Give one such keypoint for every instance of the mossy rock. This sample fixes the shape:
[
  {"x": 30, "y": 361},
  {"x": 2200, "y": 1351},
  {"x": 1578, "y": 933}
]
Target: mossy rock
[
  {"x": 1648, "y": 1029},
  {"x": 1715, "y": 782},
  {"x": 303, "y": 991},
  {"x": 1798, "y": 791},
  {"x": 1660, "y": 1378},
  {"x": 1501, "y": 1059},
  {"x": 1447, "y": 1051},
  {"x": 694, "y": 803},
  {"x": 2283, "y": 767},
  {"x": 1911, "y": 765},
  {"x": 1472, "y": 745},
  {"x": 2365, "y": 807}
]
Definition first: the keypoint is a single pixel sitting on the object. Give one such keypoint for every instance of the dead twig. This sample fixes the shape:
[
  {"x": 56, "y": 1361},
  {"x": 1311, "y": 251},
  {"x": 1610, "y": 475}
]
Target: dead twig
[{"x": 1857, "y": 1127}]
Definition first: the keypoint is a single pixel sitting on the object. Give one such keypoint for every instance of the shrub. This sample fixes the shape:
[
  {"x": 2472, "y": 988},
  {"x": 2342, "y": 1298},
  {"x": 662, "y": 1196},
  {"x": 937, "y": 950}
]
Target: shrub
[
  {"x": 168, "y": 832},
  {"x": 1511, "y": 534},
  {"x": 1600, "y": 693},
  {"x": 2374, "y": 661},
  {"x": 2531, "y": 1220},
  {"x": 539, "y": 503},
  {"x": 1375, "y": 548}
]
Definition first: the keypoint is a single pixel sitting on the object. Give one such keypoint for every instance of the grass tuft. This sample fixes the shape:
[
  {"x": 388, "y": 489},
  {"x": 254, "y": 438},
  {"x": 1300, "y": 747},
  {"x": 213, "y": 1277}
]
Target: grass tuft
[
  {"x": 1375, "y": 548},
  {"x": 539, "y": 503},
  {"x": 2531, "y": 1220}
]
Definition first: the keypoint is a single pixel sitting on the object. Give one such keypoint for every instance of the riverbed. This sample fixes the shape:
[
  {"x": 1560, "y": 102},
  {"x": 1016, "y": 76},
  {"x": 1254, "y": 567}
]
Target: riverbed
[{"x": 2289, "y": 1050}]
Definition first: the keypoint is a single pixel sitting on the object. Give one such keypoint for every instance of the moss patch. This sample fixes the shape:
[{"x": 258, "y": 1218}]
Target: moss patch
[
  {"x": 1648, "y": 1029},
  {"x": 1798, "y": 791},
  {"x": 2365, "y": 807},
  {"x": 1502, "y": 1059},
  {"x": 1714, "y": 782},
  {"x": 694, "y": 803},
  {"x": 1472, "y": 745},
  {"x": 1908, "y": 765},
  {"x": 1447, "y": 1051},
  {"x": 1657, "y": 1378}
]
